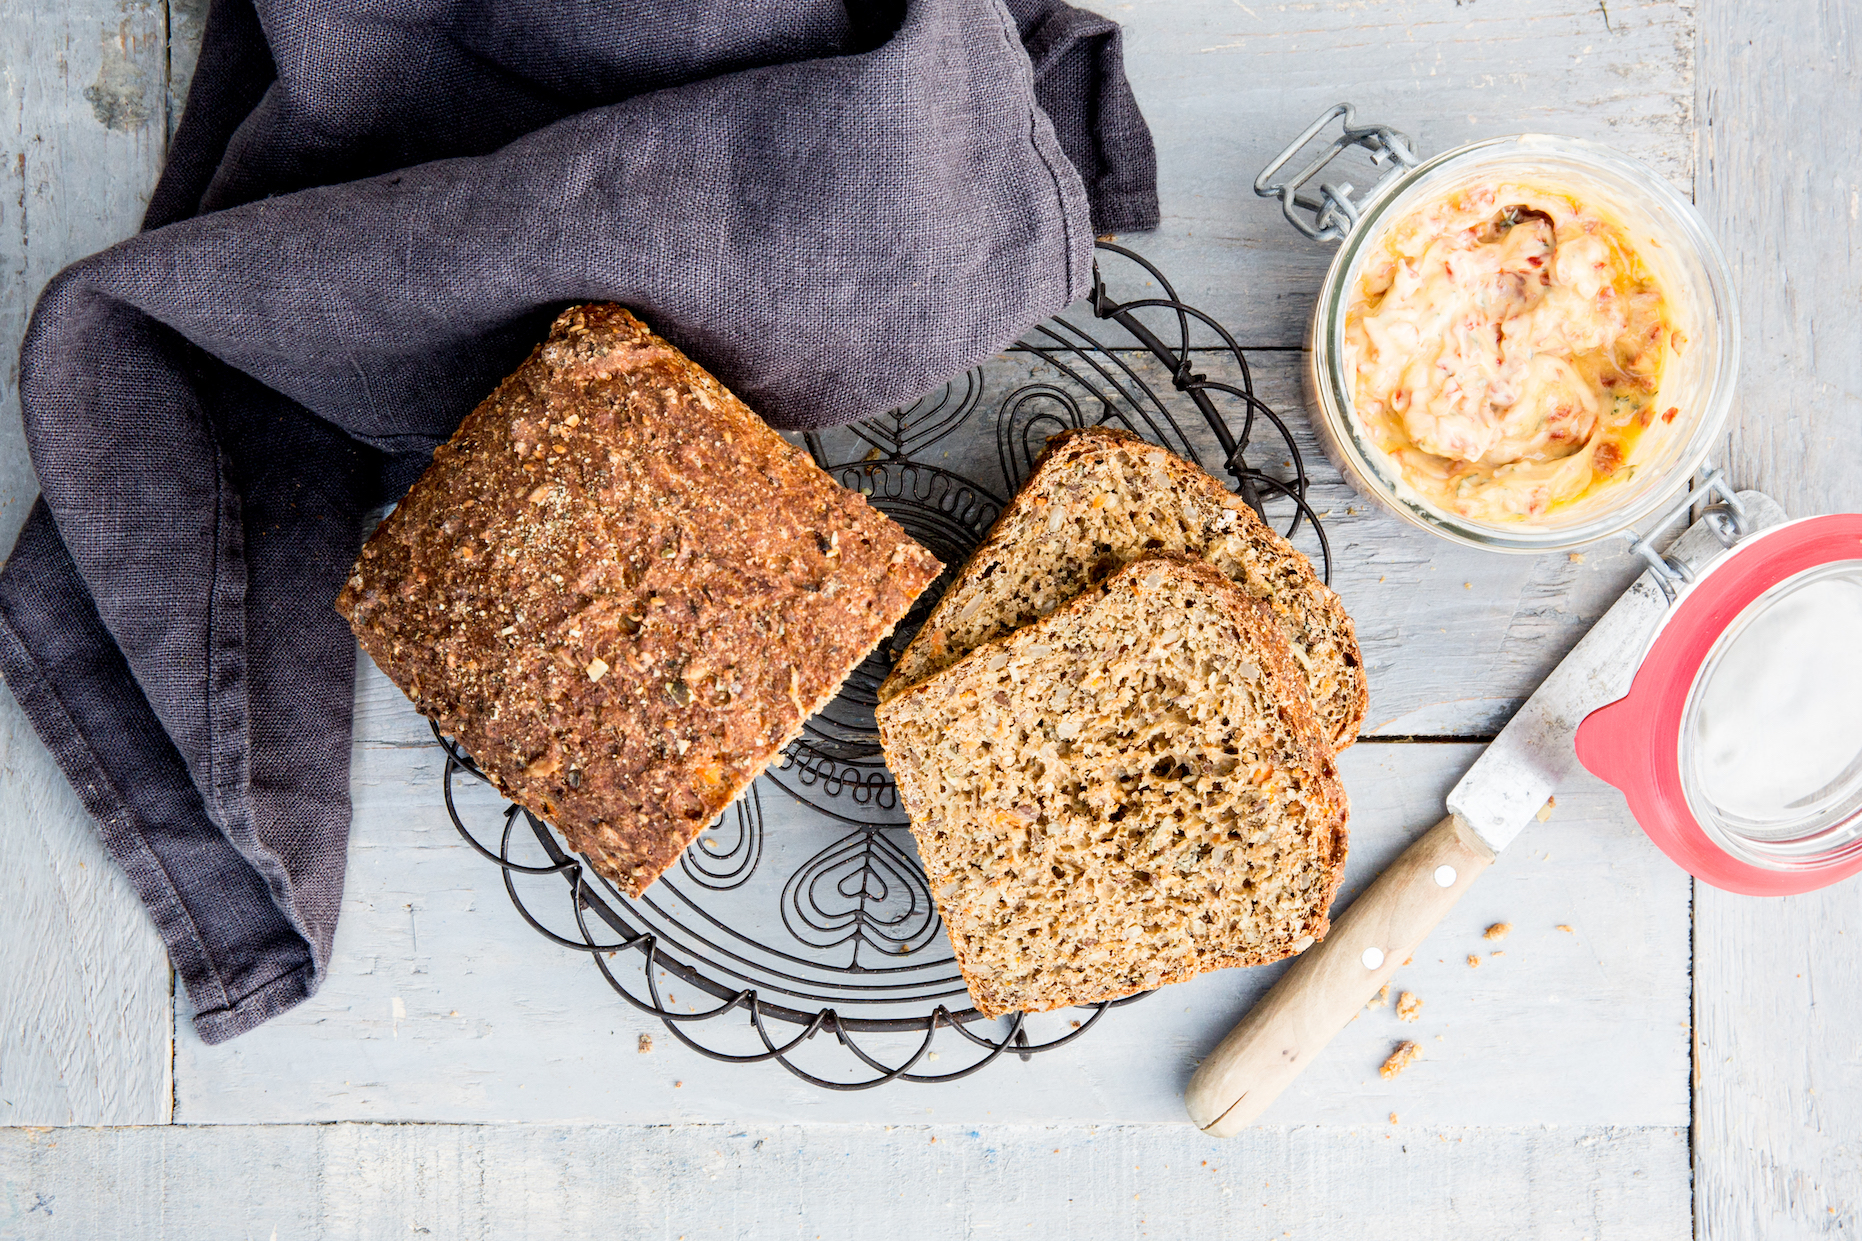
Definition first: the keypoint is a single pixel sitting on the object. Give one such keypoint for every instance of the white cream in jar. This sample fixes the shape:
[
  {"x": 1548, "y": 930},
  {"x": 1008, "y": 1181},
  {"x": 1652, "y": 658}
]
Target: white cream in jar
[{"x": 1504, "y": 346}]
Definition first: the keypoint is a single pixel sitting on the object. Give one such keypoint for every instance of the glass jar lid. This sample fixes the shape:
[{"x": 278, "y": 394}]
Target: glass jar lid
[
  {"x": 1739, "y": 744},
  {"x": 1770, "y": 743}
]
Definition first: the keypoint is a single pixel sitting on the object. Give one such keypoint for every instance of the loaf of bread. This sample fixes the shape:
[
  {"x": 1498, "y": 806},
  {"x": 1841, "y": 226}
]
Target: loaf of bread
[
  {"x": 623, "y": 593},
  {"x": 1126, "y": 793},
  {"x": 1100, "y": 497}
]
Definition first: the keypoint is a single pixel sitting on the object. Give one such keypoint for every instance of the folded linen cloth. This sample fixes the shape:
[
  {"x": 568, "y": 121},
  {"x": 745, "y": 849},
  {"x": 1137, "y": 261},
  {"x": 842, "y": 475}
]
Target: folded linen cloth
[{"x": 371, "y": 212}]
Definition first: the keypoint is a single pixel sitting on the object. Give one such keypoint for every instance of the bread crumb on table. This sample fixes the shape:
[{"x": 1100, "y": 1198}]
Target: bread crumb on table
[
  {"x": 1381, "y": 998},
  {"x": 1566, "y": 929},
  {"x": 1545, "y": 811},
  {"x": 1409, "y": 1007},
  {"x": 646, "y": 1044},
  {"x": 1474, "y": 960},
  {"x": 1498, "y": 930},
  {"x": 1393, "y": 1118},
  {"x": 1405, "y": 1055}
]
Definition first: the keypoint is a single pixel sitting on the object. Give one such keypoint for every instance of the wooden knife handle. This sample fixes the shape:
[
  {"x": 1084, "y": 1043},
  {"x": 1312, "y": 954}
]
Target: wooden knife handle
[{"x": 1334, "y": 978}]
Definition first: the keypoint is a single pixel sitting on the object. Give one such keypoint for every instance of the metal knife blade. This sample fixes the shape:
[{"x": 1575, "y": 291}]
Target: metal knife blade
[{"x": 1524, "y": 765}]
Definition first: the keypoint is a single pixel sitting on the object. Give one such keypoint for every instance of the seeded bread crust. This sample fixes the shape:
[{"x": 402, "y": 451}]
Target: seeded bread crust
[
  {"x": 623, "y": 593},
  {"x": 1125, "y": 794},
  {"x": 1051, "y": 543}
]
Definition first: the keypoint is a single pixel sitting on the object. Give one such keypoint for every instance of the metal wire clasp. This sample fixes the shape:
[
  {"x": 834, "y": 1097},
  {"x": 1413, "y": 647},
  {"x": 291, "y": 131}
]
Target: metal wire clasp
[
  {"x": 1335, "y": 211},
  {"x": 1727, "y": 518}
]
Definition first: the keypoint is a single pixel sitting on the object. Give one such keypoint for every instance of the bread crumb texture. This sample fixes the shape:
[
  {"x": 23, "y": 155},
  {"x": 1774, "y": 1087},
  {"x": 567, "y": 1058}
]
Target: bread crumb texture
[
  {"x": 1498, "y": 930},
  {"x": 1474, "y": 960},
  {"x": 1125, "y": 794},
  {"x": 645, "y": 1045},
  {"x": 623, "y": 593},
  {"x": 1406, "y": 1054},
  {"x": 1098, "y": 499},
  {"x": 1409, "y": 1007},
  {"x": 1381, "y": 998}
]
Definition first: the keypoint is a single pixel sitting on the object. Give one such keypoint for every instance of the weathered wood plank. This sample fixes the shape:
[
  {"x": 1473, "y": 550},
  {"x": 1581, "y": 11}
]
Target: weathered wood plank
[
  {"x": 442, "y": 1005},
  {"x": 804, "y": 1182},
  {"x": 84, "y": 1014},
  {"x": 1225, "y": 84},
  {"x": 1778, "y": 1012},
  {"x": 186, "y": 21},
  {"x": 1781, "y": 185},
  {"x": 1778, "y": 992},
  {"x": 80, "y": 147}
]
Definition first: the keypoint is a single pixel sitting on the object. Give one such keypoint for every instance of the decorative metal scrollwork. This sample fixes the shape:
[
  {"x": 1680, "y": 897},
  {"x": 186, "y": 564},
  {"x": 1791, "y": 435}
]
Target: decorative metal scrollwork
[{"x": 802, "y": 912}]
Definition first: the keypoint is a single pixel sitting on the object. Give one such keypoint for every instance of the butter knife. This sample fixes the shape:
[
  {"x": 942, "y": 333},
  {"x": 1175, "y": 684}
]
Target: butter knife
[{"x": 1501, "y": 793}]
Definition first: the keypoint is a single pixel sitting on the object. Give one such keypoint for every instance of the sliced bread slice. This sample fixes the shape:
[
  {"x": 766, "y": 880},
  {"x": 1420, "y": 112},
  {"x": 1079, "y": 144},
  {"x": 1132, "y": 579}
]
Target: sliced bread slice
[
  {"x": 1124, "y": 794},
  {"x": 1100, "y": 497}
]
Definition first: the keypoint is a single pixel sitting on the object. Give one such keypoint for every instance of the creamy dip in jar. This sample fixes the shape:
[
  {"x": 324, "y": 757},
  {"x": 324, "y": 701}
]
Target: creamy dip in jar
[{"x": 1504, "y": 347}]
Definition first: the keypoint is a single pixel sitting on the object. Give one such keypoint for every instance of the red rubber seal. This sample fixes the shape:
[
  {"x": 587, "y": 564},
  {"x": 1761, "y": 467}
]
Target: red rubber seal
[{"x": 1634, "y": 743}]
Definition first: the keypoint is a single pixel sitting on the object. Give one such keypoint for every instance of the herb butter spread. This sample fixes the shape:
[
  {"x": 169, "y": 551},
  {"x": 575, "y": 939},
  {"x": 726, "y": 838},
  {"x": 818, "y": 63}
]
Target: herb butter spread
[{"x": 1504, "y": 347}]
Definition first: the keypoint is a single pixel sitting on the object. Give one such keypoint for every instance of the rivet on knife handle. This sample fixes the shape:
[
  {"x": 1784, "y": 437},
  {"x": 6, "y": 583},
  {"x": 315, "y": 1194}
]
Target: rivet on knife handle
[{"x": 1334, "y": 978}]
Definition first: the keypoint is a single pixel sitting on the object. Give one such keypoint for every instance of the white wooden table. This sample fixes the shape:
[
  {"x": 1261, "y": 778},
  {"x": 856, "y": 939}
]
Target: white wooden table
[{"x": 1681, "y": 1062}]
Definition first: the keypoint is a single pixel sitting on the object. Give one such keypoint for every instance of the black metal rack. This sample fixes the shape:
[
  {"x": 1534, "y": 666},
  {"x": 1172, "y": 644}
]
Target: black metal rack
[{"x": 816, "y": 919}]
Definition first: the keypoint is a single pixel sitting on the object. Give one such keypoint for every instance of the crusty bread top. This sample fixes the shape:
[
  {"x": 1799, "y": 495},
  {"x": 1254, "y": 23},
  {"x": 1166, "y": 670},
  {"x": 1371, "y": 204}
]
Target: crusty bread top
[
  {"x": 623, "y": 593},
  {"x": 1100, "y": 497},
  {"x": 1126, "y": 793}
]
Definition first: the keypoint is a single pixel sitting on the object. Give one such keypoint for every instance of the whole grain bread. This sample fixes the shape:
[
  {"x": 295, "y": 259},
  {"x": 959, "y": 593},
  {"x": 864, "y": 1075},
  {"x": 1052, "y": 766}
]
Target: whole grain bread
[
  {"x": 623, "y": 593},
  {"x": 1124, "y": 794},
  {"x": 1100, "y": 497}
]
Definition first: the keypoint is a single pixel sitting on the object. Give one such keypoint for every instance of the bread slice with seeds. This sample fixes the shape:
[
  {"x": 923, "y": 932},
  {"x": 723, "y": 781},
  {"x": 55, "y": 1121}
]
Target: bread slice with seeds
[
  {"x": 1124, "y": 794},
  {"x": 1100, "y": 497}
]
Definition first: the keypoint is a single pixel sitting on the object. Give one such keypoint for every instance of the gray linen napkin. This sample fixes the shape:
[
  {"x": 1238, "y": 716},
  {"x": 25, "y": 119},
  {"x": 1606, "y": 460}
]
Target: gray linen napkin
[{"x": 371, "y": 212}]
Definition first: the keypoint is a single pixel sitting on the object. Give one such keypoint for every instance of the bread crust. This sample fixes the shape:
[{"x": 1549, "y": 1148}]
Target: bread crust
[
  {"x": 934, "y": 696},
  {"x": 623, "y": 593},
  {"x": 1293, "y": 590}
]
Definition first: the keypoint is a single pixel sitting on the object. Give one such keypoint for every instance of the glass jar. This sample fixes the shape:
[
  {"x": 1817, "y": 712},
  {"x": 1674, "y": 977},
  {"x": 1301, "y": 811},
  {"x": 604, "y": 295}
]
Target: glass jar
[{"x": 1697, "y": 378}]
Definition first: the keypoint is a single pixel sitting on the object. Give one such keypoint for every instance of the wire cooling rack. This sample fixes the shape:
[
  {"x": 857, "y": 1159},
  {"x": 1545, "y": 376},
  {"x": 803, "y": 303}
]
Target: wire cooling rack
[{"x": 799, "y": 928}]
